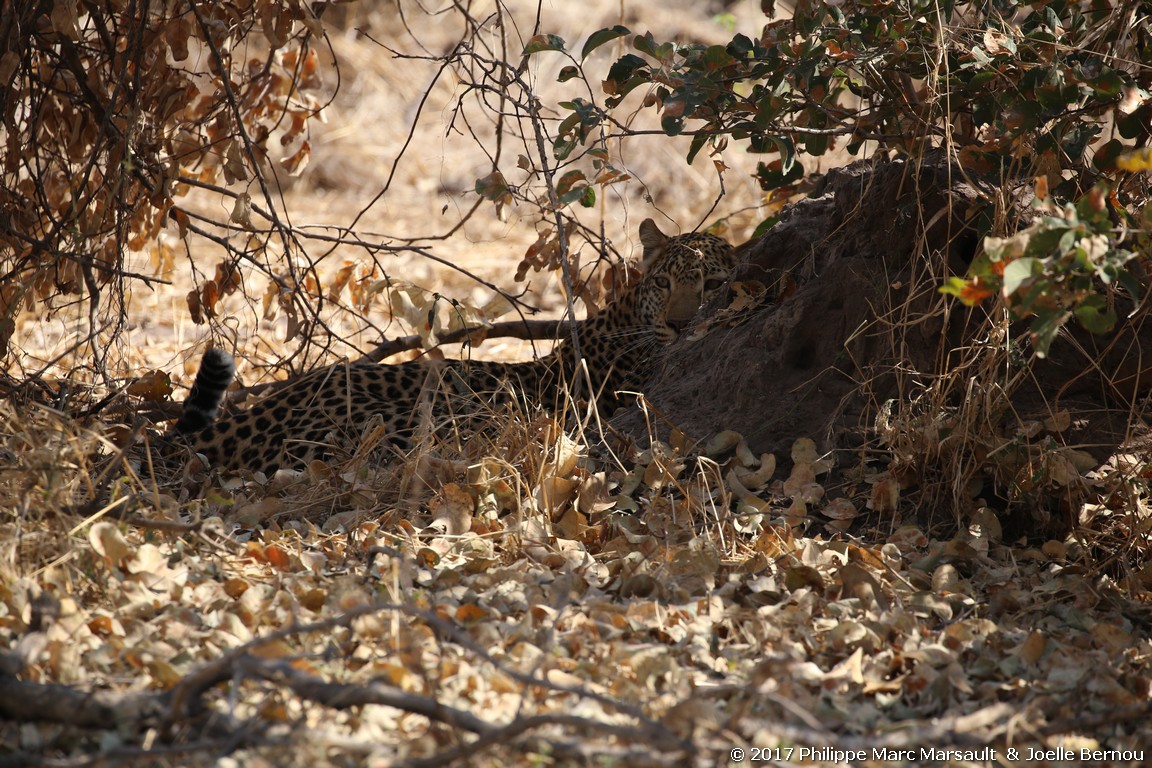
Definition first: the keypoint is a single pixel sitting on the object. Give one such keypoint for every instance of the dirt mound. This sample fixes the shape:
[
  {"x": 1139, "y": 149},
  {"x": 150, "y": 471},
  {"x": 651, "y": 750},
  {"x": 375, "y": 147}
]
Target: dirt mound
[
  {"x": 814, "y": 362},
  {"x": 859, "y": 329}
]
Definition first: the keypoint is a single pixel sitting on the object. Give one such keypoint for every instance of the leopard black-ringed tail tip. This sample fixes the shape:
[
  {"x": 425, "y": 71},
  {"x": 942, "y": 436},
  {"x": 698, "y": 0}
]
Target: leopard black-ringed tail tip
[{"x": 217, "y": 369}]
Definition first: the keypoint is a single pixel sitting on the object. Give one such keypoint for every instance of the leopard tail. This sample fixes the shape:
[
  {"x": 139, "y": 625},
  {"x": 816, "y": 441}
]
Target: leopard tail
[{"x": 217, "y": 369}]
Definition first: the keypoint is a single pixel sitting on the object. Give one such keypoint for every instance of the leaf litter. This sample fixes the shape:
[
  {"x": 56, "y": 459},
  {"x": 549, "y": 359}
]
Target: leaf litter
[{"x": 546, "y": 606}]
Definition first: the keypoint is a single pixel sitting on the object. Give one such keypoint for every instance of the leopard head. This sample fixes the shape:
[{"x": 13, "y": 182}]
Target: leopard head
[
  {"x": 681, "y": 274},
  {"x": 621, "y": 343}
]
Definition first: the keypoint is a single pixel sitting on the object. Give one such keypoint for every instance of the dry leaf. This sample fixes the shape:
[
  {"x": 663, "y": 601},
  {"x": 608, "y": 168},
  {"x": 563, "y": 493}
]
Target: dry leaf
[
  {"x": 857, "y": 581},
  {"x": 107, "y": 540},
  {"x": 452, "y": 509},
  {"x": 1032, "y": 648},
  {"x": 470, "y": 613},
  {"x": 154, "y": 386}
]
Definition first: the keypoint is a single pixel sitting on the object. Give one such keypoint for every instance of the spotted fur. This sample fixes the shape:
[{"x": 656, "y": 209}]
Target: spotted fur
[
  {"x": 300, "y": 420},
  {"x": 217, "y": 369}
]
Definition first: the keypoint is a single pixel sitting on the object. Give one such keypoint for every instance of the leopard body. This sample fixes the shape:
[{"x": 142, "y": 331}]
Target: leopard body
[{"x": 618, "y": 346}]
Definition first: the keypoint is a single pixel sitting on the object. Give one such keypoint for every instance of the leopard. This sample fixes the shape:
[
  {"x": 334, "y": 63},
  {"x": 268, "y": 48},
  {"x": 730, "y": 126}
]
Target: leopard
[{"x": 614, "y": 352}]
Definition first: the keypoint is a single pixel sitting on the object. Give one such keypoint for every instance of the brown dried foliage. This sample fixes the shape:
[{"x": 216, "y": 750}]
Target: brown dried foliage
[{"x": 114, "y": 111}]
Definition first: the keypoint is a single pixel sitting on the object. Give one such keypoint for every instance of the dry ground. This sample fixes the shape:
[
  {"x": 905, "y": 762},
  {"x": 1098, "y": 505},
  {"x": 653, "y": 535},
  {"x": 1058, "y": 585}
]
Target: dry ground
[{"x": 547, "y": 601}]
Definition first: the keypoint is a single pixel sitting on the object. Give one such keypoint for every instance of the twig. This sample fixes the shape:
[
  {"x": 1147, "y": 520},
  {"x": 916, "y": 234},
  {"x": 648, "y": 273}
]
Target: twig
[{"x": 535, "y": 330}]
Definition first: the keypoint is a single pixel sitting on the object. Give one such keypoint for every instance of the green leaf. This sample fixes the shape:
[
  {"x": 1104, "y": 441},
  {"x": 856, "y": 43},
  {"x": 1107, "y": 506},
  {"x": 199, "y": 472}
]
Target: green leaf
[
  {"x": 1017, "y": 272},
  {"x": 645, "y": 43},
  {"x": 1046, "y": 242},
  {"x": 563, "y": 146},
  {"x": 1135, "y": 123},
  {"x": 816, "y": 144},
  {"x": 1044, "y": 329},
  {"x": 1108, "y": 85},
  {"x": 492, "y": 187},
  {"x": 787, "y": 153},
  {"x": 677, "y": 108},
  {"x": 672, "y": 125},
  {"x": 1129, "y": 283},
  {"x": 625, "y": 67},
  {"x": 628, "y": 72},
  {"x": 571, "y": 187},
  {"x": 716, "y": 57},
  {"x": 538, "y": 43},
  {"x": 980, "y": 56},
  {"x": 600, "y": 37},
  {"x": 982, "y": 79},
  {"x": 585, "y": 118},
  {"x": 1095, "y": 314},
  {"x": 1077, "y": 139},
  {"x": 567, "y": 73},
  {"x": 662, "y": 52},
  {"x": 697, "y": 144},
  {"x": 763, "y": 227},
  {"x": 568, "y": 125},
  {"x": 741, "y": 46},
  {"x": 768, "y": 108},
  {"x": 981, "y": 265},
  {"x": 772, "y": 177}
]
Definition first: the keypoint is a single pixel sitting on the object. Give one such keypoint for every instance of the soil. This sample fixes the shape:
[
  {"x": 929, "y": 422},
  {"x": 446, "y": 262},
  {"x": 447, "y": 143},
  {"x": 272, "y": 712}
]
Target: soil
[{"x": 859, "y": 330}]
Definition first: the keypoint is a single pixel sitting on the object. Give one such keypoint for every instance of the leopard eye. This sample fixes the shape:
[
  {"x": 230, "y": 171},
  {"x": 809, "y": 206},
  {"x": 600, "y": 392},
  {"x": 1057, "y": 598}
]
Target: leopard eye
[
  {"x": 712, "y": 283},
  {"x": 662, "y": 281}
]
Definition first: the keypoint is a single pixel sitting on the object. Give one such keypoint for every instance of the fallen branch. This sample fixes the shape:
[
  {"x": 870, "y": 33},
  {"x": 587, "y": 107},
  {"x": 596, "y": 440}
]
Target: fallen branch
[
  {"x": 23, "y": 701},
  {"x": 535, "y": 330},
  {"x": 346, "y": 695}
]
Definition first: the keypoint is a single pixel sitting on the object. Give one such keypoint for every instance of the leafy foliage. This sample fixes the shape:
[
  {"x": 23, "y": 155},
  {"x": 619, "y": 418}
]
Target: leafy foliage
[
  {"x": 1012, "y": 90},
  {"x": 1049, "y": 271},
  {"x": 112, "y": 112},
  {"x": 1018, "y": 88}
]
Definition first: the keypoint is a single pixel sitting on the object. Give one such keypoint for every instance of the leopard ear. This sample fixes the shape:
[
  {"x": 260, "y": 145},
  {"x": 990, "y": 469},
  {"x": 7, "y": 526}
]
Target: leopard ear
[{"x": 654, "y": 242}]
